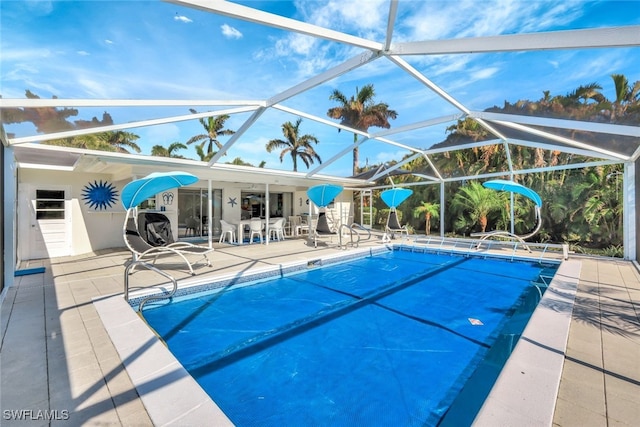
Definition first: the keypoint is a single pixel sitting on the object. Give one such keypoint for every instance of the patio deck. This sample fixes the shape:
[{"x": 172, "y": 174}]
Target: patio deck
[{"x": 57, "y": 357}]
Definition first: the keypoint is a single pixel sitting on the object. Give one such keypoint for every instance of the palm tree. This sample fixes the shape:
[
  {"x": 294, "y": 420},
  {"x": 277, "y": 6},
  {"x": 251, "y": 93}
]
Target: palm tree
[
  {"x": 429, "y": 210},
  {"x": 601, "y": 205},
  {"x": 117, "y": 141},
  {"x": 214, "y": 127},
  {"x": 626, "y": 95},
  {"x": 477, "y": 202},
  {"x": 205, "y": 157},
  {"x": 238, "y": 161},
  {"x": 120, "y": 140},
  {"x": 360, "y": 112},
  {"x": 298, "y": 146},
  {"x": 161, "y": 151}
]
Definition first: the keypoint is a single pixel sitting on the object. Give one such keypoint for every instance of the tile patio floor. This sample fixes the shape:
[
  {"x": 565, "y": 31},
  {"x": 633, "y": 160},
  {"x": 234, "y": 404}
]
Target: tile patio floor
[{"x": 57, "y": 357}]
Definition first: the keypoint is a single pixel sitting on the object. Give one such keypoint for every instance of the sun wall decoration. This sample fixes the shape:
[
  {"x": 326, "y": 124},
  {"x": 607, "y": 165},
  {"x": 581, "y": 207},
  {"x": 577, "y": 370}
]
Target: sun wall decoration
[{"x": 99, "y": 195}]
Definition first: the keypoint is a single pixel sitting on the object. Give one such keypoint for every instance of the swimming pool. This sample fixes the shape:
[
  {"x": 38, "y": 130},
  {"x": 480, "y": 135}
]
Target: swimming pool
[{"x": 387, "y": 339}]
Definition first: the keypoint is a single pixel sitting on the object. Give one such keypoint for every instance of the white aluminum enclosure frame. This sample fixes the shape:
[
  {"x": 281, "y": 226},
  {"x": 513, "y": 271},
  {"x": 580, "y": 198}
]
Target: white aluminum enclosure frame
[{"x": 396, "y": 54}]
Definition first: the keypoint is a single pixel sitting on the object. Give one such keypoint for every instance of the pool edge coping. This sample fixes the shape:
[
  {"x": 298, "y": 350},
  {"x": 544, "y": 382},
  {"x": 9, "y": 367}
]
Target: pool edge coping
[{"x": 527, "y": 388}]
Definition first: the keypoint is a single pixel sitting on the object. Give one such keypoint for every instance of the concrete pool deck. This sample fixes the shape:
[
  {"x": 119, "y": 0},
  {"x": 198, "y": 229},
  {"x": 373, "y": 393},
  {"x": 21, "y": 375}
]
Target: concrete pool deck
[{"x": 58, "y": 358}]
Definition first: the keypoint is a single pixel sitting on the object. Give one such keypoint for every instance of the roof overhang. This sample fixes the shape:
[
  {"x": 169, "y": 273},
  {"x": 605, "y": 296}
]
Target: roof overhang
[{"x": 123, "y": 166}]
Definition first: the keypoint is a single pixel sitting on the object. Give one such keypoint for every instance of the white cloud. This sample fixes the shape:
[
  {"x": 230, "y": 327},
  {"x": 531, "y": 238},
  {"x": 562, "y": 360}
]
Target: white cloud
[
  {"x": 83, "y": 53},
  {"x": 310, "y": 55},
  {"x": 230, "y": 32},
  {"x": 484, "y": 73},
  {"x": 30, "y": 54},
  {"x": 107, "y": 41},
  {"x": 468, "y": 18},
  {"x": 93, "y": 87},
  {"x": 387, "y": 156},
  {"x": 363, "y": 15},
  {"x": 182, "y": 18}
]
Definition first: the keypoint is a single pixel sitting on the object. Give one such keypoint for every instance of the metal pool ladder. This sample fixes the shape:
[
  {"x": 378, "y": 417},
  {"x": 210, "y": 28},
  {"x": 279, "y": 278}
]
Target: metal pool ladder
[
  {"x": 150, "y": 297},
  {"x": 352, "y": 230}
]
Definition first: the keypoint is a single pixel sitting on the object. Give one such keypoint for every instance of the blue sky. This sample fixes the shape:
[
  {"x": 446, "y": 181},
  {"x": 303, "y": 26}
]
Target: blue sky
[{"x": 157, "y": 50}]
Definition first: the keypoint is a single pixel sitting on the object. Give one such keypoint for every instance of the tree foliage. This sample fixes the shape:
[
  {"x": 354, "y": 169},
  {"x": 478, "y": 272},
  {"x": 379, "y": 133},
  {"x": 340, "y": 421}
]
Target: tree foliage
[
  {"x": 296, "y": 145},
  {"x": 360, "y": 112},
  {"x": 214, "y": 128}
]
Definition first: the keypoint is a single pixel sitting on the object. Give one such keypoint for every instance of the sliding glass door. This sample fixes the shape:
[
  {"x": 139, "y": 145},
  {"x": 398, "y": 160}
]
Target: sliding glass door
[{"x": 193, "y": 213}]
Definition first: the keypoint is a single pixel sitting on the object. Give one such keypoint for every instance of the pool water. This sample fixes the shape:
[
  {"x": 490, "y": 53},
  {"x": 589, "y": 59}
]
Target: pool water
[{"x": 400, "y": 338}]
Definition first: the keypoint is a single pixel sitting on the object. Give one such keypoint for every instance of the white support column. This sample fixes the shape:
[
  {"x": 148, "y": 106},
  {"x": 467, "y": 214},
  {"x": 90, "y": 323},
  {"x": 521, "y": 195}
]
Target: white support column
[
  {"x": 266, "y": 213},
  {"x": 9, "y": 169},
  {"x": 441, "y": 208},
  {"x": 210, "y": 214},
  {"x": 629, "y": 211}
]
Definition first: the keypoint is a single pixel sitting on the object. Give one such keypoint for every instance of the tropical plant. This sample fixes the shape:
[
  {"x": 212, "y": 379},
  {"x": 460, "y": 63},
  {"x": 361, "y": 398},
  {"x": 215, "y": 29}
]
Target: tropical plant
[
  {"x": 162, "y": 151},
  {"x": 121, "y": 140},
  {"x": 296, "y": 145},
  {"x": 600, "y": 206},
  {"x": 626, "y": 96},
  {"x": 214, "y": 128},
  {"x": 360, "y": 112},
  {"x": 204, "y": 156},
  {"x": 429, "y": 210},
  {"x": 476, "y": 202},
  {"x": 117, "y": 141},
  {"x": 238, "y": 161}
]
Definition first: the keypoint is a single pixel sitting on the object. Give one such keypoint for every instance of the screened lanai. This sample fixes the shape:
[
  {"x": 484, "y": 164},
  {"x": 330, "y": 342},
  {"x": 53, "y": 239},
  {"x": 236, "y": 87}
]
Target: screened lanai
[{"x": 509, "y": 70}]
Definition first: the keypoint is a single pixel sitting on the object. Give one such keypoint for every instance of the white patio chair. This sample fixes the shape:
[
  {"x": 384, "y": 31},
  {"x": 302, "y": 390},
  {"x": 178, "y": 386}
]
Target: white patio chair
[
  {"x": 276, "y": 231},
  {"x": 227, "y": 230},
  {"x": 255, "y": 227}
]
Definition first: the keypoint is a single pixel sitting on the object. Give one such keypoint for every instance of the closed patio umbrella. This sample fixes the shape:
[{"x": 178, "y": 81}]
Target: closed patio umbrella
[
  {"x": 394, "y": 196},
  {"x": 323, "y": 194}
]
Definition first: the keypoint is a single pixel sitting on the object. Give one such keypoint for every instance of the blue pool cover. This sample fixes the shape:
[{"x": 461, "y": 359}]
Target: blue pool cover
[{"x": 384, "y": 340}]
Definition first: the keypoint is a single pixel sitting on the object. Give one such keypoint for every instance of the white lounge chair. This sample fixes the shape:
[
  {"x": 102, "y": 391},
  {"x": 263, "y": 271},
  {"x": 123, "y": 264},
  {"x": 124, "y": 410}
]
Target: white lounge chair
[
  {"x": 150, "y": 237},
  {"x": 393, "y": 226},
  {"x": 320, "y": 229}
]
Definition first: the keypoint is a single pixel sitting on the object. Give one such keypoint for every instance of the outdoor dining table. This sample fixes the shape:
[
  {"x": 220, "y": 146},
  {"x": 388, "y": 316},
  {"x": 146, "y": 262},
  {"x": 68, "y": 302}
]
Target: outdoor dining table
[{"x": 247, "y": 222}]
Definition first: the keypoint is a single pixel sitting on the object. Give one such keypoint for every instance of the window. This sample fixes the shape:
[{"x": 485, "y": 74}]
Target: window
[
  {"x": 148, "y": 204},
  {"x": 49, "y": 204}
]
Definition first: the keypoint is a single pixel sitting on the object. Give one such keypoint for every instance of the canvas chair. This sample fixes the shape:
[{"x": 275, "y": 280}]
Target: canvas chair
[
  {"x": 149, "y": 237},
  {"x": 320, "y": 229},
  {"x": 393, "y": 226}
]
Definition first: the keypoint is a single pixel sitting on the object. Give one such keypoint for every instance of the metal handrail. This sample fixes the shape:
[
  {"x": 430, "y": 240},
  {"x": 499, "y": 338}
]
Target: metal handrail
[
  {"x": 150, "y": 297},
  {"x": 353, "y": 229},
  {"x": 452, "y": 243}
]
